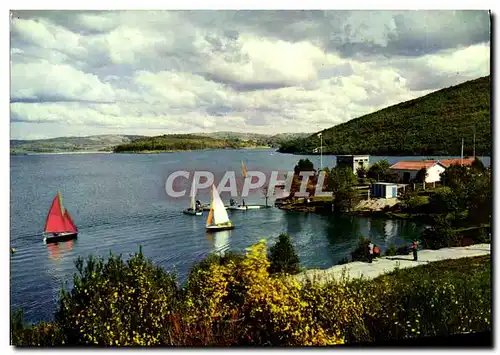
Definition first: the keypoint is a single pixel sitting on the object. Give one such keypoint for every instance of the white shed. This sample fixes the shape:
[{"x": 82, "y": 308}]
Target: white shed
[{"x": 407, "y": 170}]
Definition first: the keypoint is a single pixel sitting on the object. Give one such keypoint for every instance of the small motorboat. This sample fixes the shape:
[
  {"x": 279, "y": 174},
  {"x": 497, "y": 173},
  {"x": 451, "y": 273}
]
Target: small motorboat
[
  {"x": 59, "y": 225},
  {"x": 218, "y": 219},
  {"x": 195, "y": 209}
]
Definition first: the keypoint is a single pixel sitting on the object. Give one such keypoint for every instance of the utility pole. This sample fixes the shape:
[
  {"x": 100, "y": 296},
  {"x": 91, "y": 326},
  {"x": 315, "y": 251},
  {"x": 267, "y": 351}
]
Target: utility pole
[
  {"x": 321, "y": 152},
  {"x": 462, "y": 156},
  {"x": 474, "y": 153}
]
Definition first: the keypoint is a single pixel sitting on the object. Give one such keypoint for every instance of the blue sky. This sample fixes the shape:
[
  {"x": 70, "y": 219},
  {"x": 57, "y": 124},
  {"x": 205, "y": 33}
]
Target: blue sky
[{"x": 77, "y": 73}]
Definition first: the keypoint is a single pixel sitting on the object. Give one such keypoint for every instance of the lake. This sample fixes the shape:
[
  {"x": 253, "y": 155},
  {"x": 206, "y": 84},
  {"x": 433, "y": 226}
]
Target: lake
[{"x": 119, "y": 203}]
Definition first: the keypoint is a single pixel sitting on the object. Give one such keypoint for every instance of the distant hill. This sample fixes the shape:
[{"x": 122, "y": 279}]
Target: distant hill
[
  {"x": 175, "y": 142},
  {"x": 70, "y": 144},
  {"x": 430, "y": 125},
  {"x": 213, "y": 140}
]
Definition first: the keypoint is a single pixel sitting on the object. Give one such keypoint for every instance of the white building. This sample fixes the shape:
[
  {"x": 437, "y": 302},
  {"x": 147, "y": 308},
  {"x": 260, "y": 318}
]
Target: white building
[
  {"x": 407, "y": 170},
  {"x": 354, "y": 161}
]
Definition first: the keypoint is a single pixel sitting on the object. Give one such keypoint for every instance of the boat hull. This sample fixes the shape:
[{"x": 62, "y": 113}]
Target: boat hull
[
  {"x": 247, "y": 207},
  {"x": 219, "y": 228},
  {"x": 62, "y": 237},
  {"x": 193, "y": 213}
]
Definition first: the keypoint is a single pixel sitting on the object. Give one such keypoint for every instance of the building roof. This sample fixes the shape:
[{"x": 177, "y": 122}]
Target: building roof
[
  {"x": 413, "y": 165},
  {"x": 385, "y": 183},
  {"x": 417, "y": 165},
  {"x": 448, "y": 162}
]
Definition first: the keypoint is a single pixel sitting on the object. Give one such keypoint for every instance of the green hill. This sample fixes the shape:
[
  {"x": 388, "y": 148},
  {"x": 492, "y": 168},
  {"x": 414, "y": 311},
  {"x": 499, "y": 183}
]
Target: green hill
[
  {"x": 430, "y": 125},
  {"x": 70, "y": 144},
  {"x": 175, "y": 142}
]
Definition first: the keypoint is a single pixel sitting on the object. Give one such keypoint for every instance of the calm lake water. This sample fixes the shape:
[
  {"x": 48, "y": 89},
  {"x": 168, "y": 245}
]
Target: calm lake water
[{"x": 118, "y": 202}]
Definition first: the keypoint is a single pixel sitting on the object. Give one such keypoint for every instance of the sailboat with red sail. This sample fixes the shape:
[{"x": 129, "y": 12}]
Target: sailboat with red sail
[{"x": 59, "y": 225}]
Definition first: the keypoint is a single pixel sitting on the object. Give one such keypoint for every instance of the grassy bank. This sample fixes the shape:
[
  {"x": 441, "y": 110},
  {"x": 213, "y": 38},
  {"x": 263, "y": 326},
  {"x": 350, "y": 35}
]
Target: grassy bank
[{"x": 235, "y": 300}]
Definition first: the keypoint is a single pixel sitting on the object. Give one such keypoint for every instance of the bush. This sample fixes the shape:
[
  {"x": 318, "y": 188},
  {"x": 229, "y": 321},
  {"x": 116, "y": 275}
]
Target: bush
[
  {"x": 438, "y": 299},
  {"x": 391, "y": 250},
  {"x": 440, "y": 235},
  {"x": 118, "y": 303},
  {"x": 283, "y": 257},
  {"x": 271, "y": 308},
  {"x": 43, "y": 334},
  {"x": 233, "y": 300}
]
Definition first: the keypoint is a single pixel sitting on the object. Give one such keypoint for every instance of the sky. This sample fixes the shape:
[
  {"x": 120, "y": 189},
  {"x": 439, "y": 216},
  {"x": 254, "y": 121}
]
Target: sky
[{"x": 78, "y": 73}]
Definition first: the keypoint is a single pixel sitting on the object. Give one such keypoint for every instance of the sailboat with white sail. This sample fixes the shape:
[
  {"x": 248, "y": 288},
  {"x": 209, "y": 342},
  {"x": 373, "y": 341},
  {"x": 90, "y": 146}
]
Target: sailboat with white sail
[
  {"x": 217, "y": 217},
  {"x": 59, "y": 225},
  {"x": 193, "y": 209}
]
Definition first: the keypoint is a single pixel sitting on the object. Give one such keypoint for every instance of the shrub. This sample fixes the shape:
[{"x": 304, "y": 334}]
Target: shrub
[
  {"x": 391, "y": 250},
  {"x": 271, "y": 307},
  {"x": 432, "y": 300},
  {"x": 440, "y": 235},
  {"x": 283, "y": 257},
  {"x": 118, "y": 303},
  {"x": 42, "y": 334}
]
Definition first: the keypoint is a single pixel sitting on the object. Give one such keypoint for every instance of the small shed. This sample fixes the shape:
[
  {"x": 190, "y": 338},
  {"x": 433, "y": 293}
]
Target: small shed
[{"x": 384, "y": 190}]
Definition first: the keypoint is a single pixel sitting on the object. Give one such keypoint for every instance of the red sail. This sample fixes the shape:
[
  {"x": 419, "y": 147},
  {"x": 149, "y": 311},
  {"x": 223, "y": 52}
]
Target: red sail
[
  {"x": 55, "y": 220},
  {"x": 68, "y": 222}
]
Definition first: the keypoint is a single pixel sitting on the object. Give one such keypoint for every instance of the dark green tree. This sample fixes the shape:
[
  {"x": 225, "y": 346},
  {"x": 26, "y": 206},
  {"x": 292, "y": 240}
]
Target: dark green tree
[
  {"x": 341, "y": 182},
  {"x": 421, "y": 175},
  {"x": 283, "y": 257},
  {"x": 303, "y": 165}
]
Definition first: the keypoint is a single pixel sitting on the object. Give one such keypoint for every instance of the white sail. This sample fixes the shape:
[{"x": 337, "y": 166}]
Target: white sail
[
  {"x": 193, "y": 204},
  {"x": 219, "y": 210}
]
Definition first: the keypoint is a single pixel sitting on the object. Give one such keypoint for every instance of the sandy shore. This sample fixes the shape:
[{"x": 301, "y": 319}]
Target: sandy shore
[{"x": 387, "y": 264}]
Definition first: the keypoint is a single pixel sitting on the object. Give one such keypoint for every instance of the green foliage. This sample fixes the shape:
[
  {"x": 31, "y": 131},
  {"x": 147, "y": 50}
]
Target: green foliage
[
  {"x": 42, "y": 334},
  {"x": 430, "y": 125},
  {"x": 303, "y": 165},
  {"x": 341, "y": 182},
  {"x": 233, "y": 300},
  {"x": 438, "y": 299},
  {"x": 380, "y": 171},
  {"x": 391, "y": 250},
  {"x": 414, "y": 203},
  {"x": 181, "y": 142},
  {"x": 283, "y": 257},
  {"x": 440, "y": 235},
  {"x": 118, "y": 303}
]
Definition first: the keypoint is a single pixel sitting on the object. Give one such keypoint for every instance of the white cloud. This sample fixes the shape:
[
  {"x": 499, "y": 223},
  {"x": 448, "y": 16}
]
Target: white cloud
[{"x": 160, "y": 72}]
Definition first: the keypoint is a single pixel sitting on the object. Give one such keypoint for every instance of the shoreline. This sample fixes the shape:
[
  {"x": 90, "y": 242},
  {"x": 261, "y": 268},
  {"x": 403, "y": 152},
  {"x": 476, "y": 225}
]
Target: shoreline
[
  {"x": 387, "y": 264},
  {"x": 63, "y": 153}
]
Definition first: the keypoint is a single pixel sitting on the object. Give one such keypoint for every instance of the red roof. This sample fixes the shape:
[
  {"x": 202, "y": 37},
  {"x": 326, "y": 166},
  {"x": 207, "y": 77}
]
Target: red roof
[
  {"x": 417, "y": 165},
  {"x": 413, "y": 165},
  {"x": 448, "y": 162}
]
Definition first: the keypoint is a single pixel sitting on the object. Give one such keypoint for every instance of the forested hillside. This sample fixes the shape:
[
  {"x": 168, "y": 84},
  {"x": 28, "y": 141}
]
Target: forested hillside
[{"x": 430, "y": 125}]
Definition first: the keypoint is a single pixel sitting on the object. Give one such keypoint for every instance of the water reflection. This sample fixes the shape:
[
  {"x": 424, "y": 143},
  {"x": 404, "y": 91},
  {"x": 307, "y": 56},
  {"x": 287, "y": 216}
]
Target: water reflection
[
  {"x": 58, "y": 250},
  {"x": 220, "y": 241}
]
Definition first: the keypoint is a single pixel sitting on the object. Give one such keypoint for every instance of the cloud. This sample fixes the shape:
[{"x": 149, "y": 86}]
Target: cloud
[{"x": 157, "y": 72}]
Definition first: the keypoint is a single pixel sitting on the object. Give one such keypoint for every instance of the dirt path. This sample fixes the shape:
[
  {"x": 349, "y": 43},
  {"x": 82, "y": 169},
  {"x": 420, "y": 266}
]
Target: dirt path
[{"x": 387, "y": 264}]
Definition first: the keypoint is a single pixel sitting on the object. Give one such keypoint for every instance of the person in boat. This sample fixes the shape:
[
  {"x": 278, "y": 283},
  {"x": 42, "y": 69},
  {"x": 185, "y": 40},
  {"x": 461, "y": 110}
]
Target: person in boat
[
  {"x": 232, "y": 202},
  {"x": 243, "y": 202}
]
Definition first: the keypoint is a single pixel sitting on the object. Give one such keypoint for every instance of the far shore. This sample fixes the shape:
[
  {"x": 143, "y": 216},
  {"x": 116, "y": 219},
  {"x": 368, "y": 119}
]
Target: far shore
[
  {"x": 63, "y": 153},
  {"x": 135, "y": 152}
]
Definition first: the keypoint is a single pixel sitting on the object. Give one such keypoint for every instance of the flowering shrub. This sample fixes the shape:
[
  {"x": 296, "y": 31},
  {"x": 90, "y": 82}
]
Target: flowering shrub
[
  {"x": 234, "y": 300},
  {"x": 118, "y": 303}
]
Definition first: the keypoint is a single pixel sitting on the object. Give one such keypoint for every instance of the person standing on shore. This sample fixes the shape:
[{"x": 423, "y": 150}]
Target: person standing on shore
[
  {"x": 370, "y": 252},
  {"x": 414, "y": 249}
]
